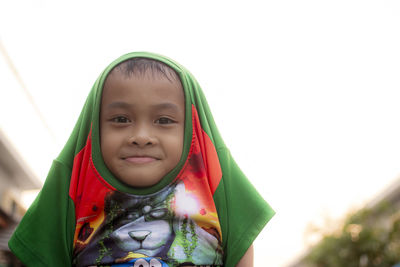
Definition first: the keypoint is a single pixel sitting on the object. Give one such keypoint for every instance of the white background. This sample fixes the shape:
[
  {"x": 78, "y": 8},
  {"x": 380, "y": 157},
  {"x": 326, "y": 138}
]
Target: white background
[{"x": 305, "y": 93}]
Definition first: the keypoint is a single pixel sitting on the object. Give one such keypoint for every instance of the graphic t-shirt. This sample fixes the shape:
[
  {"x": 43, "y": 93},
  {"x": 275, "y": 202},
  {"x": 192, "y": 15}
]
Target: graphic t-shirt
[{"x": 203, "y": 213}]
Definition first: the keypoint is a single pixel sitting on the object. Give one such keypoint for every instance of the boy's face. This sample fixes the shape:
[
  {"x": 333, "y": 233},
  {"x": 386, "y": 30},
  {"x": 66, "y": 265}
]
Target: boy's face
[{"x": 141, "y": 126}]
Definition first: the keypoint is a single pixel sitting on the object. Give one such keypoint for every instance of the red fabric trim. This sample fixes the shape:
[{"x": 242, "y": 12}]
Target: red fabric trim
[
  {"x": 209, "y": 153},
  {"x": 88, "y": 191}
]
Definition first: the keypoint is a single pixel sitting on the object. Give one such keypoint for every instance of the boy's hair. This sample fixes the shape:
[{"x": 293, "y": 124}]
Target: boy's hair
[{"x": 144, "y": 66}]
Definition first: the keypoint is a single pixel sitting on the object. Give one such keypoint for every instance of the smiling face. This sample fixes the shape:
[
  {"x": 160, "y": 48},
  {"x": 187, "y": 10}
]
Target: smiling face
[{"x": 141, "y": 126}]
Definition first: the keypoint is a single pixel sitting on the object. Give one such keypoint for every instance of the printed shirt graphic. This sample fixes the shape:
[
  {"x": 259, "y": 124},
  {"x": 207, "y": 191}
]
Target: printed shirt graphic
[{"x": 178, "y": 225}]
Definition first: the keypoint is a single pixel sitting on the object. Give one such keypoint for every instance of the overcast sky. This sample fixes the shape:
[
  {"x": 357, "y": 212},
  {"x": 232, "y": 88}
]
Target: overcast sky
[{"x": 305, "y": 93}]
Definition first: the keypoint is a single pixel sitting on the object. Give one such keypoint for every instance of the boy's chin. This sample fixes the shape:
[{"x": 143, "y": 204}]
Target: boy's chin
[{"x": 141, "y": 181}]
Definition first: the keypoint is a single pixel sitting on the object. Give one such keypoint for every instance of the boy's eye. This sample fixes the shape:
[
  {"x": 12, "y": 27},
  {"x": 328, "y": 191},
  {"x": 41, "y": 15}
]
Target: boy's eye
[
  {"x": 164, "y": 120},
  {"x": 120, "y": 119}
]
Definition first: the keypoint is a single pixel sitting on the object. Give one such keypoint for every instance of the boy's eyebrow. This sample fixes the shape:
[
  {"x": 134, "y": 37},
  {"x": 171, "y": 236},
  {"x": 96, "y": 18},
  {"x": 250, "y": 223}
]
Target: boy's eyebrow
[
  {"x": 165, "y": 105},
  {"x": 119, "y": 104}
]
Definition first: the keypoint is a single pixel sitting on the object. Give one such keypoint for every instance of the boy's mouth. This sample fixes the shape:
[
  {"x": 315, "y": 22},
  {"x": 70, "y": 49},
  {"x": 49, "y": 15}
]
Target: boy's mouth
[{"x": 140, "y": 159}]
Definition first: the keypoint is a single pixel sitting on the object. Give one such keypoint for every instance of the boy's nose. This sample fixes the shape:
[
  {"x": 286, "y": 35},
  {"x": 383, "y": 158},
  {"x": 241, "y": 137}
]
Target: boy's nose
[
  {"x": 142, "y": 137},
  {"x": 142, "y": 141}
]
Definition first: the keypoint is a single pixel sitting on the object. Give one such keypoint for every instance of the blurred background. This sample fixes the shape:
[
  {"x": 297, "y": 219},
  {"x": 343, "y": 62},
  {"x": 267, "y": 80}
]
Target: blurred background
[{"x": 305, "y": 94}]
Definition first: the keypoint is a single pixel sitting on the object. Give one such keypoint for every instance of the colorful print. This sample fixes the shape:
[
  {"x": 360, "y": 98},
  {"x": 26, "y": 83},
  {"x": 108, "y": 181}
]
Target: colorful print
[{"x": 142, "y": 262}]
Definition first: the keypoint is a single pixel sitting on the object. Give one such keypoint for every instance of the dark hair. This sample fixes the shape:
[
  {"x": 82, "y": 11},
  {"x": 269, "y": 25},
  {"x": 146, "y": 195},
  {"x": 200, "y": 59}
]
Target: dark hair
[{"x": 146, "y": 66}]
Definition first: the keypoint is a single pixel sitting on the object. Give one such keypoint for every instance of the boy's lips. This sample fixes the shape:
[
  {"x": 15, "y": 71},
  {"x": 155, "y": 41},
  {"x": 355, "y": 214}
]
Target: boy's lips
[{"x": 140, "y": 159}]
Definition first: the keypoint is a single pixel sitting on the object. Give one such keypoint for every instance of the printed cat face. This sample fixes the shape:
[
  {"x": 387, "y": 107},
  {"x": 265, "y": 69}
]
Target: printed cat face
[{"x": 146, "y": 225}]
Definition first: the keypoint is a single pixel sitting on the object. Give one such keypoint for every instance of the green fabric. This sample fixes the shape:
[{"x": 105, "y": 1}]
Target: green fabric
[
  {"x": 46, "y": 233},
  {"x": 44, "y": 237},
  {"x": 243, "y": 213}
]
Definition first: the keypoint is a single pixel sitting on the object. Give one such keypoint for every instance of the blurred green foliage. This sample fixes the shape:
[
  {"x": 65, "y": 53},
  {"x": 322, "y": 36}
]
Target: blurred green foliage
[{"x": 369, "y": 237}]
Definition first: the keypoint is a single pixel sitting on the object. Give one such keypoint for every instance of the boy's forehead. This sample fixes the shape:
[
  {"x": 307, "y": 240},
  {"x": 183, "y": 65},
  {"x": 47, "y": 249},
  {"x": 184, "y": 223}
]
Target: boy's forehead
[{"x": 119, "y": 86}]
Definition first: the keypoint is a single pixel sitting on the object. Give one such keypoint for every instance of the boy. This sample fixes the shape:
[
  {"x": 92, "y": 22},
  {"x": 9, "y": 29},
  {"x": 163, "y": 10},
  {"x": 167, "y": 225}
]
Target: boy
[{"x": 144, "y": 180}]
